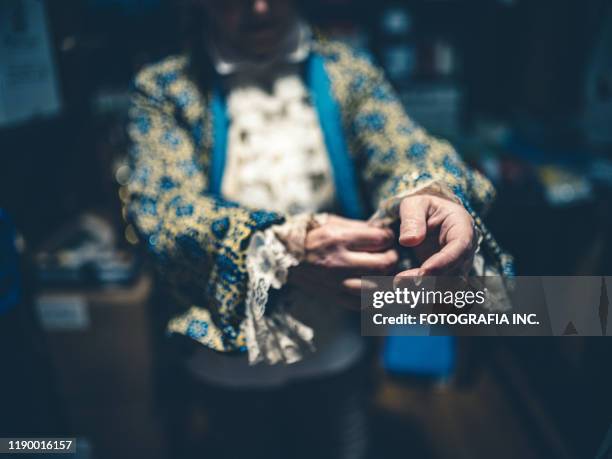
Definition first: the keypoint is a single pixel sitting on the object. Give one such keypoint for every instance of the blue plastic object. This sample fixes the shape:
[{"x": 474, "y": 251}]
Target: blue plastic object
[{"x": 424, "y": 356}]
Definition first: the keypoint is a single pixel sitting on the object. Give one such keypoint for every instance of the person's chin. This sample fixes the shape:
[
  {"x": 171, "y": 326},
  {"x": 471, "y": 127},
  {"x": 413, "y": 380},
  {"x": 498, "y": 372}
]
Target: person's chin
[{"x": 263, "y": 43}]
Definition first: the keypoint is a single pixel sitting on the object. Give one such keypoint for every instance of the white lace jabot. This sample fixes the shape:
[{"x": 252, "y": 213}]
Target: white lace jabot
[{"x": 276, "y": 160}]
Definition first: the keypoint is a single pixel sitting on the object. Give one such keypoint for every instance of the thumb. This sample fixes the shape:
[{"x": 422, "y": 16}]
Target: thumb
[{"x": 413, "y": 217}]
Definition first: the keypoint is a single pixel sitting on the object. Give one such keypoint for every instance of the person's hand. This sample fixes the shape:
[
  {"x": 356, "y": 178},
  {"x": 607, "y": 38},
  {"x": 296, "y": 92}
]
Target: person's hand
[
  {"x": 339, "y": 252},
  {"x": 442, "y": 234}
]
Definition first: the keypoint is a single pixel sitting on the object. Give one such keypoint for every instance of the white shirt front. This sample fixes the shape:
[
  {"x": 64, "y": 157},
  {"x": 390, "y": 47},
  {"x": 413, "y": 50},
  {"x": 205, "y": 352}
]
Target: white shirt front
[{"x": 276, "y": 155}]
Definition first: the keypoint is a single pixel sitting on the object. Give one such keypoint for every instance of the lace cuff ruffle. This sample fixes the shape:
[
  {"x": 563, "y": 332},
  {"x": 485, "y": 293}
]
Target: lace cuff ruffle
[{"x": 275, "y": 336}]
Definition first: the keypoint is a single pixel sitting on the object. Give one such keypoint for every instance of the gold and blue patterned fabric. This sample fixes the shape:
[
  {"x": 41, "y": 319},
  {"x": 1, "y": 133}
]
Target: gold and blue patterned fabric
[{"x": 199, "y": 239}]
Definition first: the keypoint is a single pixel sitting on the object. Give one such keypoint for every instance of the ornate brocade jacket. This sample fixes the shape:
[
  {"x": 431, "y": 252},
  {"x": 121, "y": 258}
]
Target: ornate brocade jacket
[{"x": 178, "y": 130}]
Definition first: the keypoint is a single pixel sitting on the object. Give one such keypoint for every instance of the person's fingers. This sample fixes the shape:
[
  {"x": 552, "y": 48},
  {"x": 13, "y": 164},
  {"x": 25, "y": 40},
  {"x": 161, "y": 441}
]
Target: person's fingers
[
  {"x": 453, "y": 253},
  {"x": 370, "y": 263},
  {"x": 347, "y": 263},
  {"x": 354, "y": 237},
  {"x": 413, "y": 217},
  {"x": 333, "y": 218},
  {"x": 369, "y": 239},
  {"x": 352, "y": 286},
  {"x": 336, "y": 220},
  {"x": 413, "y": 272},
  {"x": 355, "y": 285},
  {"x": 409, "y": 278}
]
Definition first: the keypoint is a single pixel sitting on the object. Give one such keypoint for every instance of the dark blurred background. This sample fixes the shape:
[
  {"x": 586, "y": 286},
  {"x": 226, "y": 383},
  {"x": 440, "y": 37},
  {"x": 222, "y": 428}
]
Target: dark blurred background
[{"x": 523, "y": 88}]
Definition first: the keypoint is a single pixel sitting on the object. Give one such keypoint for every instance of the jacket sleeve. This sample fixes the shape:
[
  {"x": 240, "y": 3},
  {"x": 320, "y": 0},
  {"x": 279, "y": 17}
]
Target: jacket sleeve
[
  {"x": 199, "y": 240},
  {"x": 398, "y": 156}
]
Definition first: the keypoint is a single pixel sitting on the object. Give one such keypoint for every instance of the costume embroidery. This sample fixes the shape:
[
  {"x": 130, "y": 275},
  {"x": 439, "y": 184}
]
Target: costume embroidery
[{"x": 200, "y": 240}]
